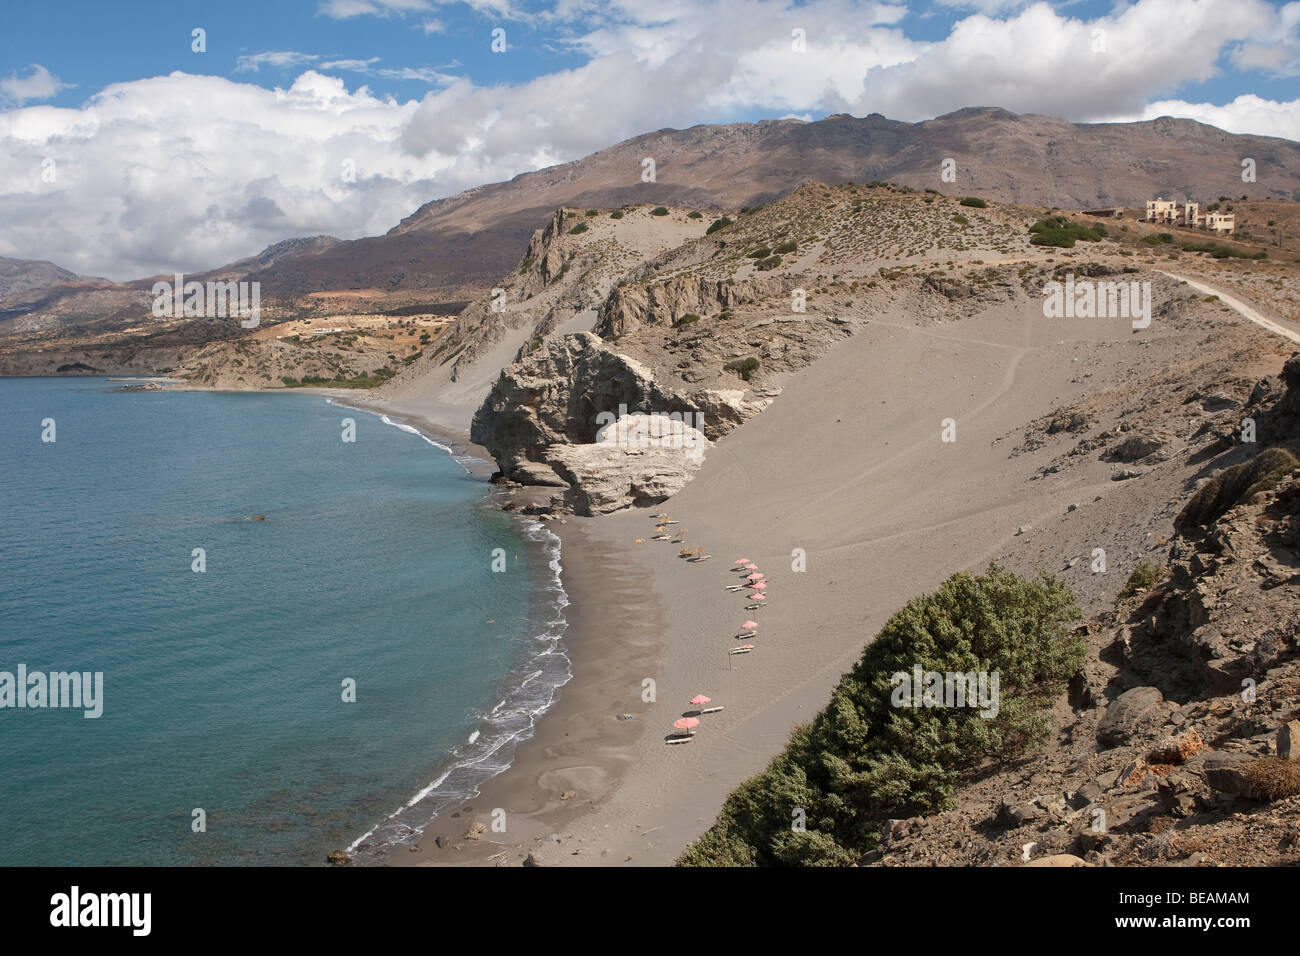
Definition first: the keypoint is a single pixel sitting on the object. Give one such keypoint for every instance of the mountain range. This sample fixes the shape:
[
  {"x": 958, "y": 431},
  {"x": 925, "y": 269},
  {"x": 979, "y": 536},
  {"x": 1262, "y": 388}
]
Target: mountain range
[{"x": 453, "y": 249}]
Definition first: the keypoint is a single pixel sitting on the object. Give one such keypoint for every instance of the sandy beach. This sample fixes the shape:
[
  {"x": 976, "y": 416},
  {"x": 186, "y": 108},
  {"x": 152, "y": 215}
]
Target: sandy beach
[{"x": 883, "y": 510}]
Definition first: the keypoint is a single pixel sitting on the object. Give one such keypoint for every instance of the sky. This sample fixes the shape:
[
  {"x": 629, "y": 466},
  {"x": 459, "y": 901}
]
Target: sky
[{"x": 140, "y": 138}]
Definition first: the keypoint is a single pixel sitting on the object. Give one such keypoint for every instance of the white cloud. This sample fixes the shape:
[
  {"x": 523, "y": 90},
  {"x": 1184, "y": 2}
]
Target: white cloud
[
  {"x": 289, "y": 59},
  {"x": 38, "y": 84},
  {"x": 1275, "y": 48},
  {"x": 1245, "y": 114},
  {"x": 182, "y": 172},
  {"x": 354, "y": 65},
  {"x": 281, "y": 59},
  {"x": 346, "y": 9}
]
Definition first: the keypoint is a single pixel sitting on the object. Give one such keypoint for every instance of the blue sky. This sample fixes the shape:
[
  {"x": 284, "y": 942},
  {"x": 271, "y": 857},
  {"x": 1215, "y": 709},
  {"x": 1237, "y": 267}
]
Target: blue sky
[
  {"x": 92, "y": 43},
  {"x": 124, "y": 152},
  {"x": 89, "y": 44}
]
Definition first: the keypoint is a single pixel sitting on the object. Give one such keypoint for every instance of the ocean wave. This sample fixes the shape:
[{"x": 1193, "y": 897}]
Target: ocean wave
[
  {"x": 490, "y": 749},
  {"x": 463, "y": 460}
]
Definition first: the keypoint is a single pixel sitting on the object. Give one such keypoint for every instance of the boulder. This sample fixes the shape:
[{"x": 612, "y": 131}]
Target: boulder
[
  {"x": 1011, "y": 813},
  {"x": 536, "y": 473},
  {"x": 1176, "y": 750},
  {"x": 1135, "y": 448},
  {"x": 1126, "y": 714},
  {"x": 1226, "y": 773},
  {"x": 1288, "y": 740},
  {"x": 575, "y": 389},
  {"x": 605, "y": 478}
]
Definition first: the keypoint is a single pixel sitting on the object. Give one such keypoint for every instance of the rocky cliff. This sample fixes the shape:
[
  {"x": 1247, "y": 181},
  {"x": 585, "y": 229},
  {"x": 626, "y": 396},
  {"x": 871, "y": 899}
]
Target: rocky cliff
[{"x": 552, "y": 401}]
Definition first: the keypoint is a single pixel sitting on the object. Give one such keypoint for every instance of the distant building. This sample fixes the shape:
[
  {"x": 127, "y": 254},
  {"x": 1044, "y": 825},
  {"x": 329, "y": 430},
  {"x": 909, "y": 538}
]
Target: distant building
[
  {"x": 1221, "y": 222},
  {"x": 1116, "y": 213},
  {"x": 1167, "y": 212},
  {"x": 1161, "y": 210}
]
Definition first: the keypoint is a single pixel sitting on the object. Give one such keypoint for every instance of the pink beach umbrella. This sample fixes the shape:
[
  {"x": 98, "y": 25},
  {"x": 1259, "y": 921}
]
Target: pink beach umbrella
[
  {"x": 686, "y": 723},
  {"x": 750, "y": 625},
  {"x": 759, "y": 585},
  {"x": 699, "y": 700},
  {"x": 741, "y": 561},
  {"x": 751, "y": 566},
  {"x": 745, "y": 647},
  {"x": 756, "y": 576},
  {"x": 758, "y": 596}
]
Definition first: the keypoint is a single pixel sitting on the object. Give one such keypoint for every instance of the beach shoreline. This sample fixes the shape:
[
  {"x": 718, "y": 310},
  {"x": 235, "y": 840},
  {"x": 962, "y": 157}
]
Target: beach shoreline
[{"x": 578, "y": 751}]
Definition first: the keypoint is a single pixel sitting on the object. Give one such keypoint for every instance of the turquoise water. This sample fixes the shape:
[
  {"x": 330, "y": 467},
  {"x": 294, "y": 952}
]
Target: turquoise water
[{"x": 222, "y": 690}]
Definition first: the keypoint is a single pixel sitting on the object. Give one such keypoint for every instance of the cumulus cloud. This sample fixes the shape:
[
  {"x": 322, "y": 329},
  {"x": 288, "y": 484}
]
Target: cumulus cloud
[
  {"x": 182, "y": 171},
  {"x": 185, "y": 172},
  {"x": 38, "y": 84},
  {"x": 1245, "y": 114},
  {"x": 1274, "y": 49}
]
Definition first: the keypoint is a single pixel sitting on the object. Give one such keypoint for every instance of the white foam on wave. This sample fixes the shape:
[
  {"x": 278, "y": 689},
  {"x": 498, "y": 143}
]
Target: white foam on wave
[
  {"x": 462, "y": 460},
  {"x": 510, "y": 721}
]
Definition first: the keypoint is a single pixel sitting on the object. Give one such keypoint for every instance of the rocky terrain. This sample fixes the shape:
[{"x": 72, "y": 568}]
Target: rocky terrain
[
  {"x": 1179, "y": 740},
  {"x": 713, "y": 325}
]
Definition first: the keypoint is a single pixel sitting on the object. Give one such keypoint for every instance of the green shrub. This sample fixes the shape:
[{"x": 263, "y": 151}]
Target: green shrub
[
  {"x": 658, "y": 211},
  {"x": 863, "y": 760},
  {"x": 695, "y": 214},
  {"x": 744, "y": 369},
  {"x": 786, "y": 247},
  {"x": 1061, "y": 232},
  {"x": 762, "y": 252},
  {"x": 1221, "y": 252},
  {"x": 768, "y": 264},
  {"x": 580, "y": 227},
  {"x": 974, "y": 201},
  {"x": 722, "y": 223},
  {"x": 686, "y": 319},
  {"x": 934, "y": 192},
  {"x": 593, "y": 212},
  {"x": 616, "y": 214},
  {"x": 960, "y": 219},
  {"x": 1236, "y": 486},
  {"x": 1143, "y": 578}
]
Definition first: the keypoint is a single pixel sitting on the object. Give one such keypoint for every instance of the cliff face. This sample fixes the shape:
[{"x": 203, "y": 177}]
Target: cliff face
[
  {"x": 662, "y": 303},
  {"x": 559, "y": 397},
  {"x": 701, "y": 324}
]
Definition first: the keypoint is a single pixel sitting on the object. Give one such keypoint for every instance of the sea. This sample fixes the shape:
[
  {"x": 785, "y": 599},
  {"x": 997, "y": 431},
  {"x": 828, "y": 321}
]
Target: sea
[{"x": 328, "y": 677}]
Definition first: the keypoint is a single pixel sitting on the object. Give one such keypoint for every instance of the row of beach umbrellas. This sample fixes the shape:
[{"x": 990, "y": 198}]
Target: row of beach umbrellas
[{"x": 754, "y": 582}]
